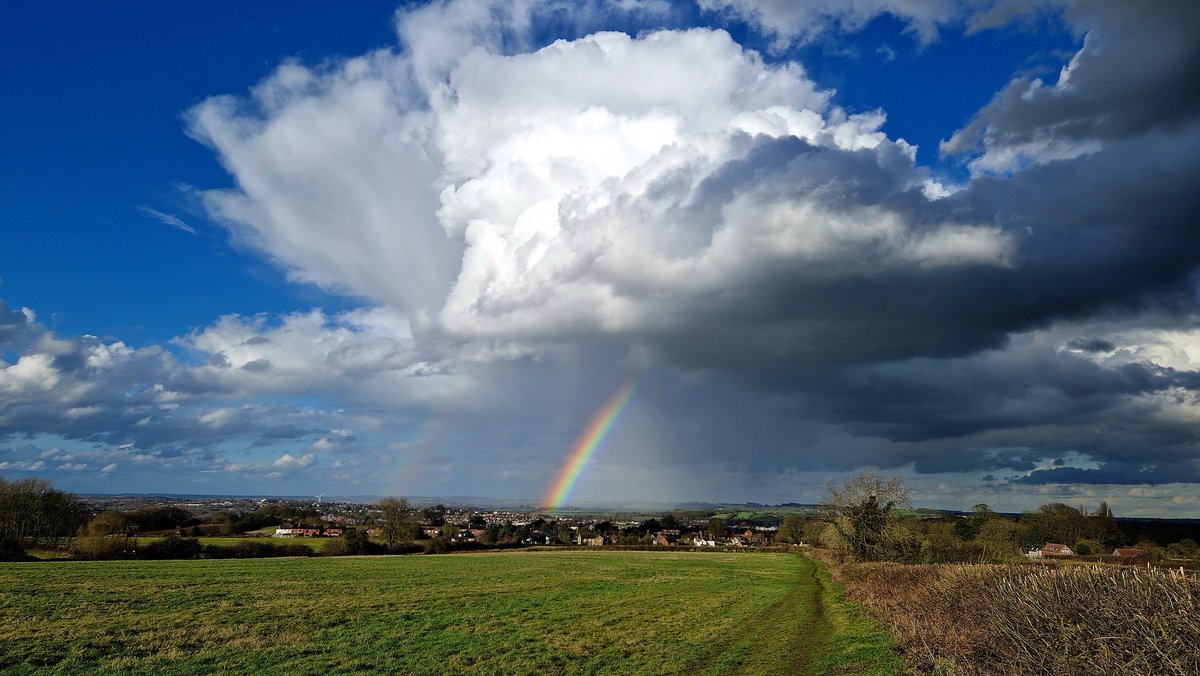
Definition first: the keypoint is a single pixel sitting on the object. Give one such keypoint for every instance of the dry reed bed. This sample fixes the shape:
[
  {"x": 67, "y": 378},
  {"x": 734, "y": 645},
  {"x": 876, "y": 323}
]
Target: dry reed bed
[{"x": 1034, "y": 619}]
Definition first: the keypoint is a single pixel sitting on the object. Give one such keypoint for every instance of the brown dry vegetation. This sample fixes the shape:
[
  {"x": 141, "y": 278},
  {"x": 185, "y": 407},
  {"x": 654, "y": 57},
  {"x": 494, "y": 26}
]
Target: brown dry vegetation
[{"x": 1034, "y": 619}]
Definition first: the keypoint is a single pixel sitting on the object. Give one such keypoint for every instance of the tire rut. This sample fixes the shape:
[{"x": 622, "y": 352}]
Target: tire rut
[{"x": 803, "y": 645}]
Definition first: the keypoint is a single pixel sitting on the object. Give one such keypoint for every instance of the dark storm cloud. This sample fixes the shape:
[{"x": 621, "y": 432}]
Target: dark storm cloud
[
  {"x": 931, "y": 399},
  {"x": 1136, "y": 72},
  {"x": 1114, "y": 229},
  {"x": 926, "y": 358},
  {"x": 1091, "y": 345},
  {"x": 1019, "y": 459},
  {"x": 1117, "y": 473},
  {"x": 1110, "y": 232},
  {"x": 969, "y": 367}
]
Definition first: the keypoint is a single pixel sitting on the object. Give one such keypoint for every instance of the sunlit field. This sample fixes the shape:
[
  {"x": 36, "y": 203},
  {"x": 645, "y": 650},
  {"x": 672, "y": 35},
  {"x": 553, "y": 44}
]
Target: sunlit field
[{"x": 518, "y": 612}]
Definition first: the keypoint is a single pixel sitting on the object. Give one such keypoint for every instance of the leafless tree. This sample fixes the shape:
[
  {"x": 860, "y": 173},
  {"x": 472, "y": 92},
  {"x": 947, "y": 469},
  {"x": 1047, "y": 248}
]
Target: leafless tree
[{"x": 863, "y": 510}]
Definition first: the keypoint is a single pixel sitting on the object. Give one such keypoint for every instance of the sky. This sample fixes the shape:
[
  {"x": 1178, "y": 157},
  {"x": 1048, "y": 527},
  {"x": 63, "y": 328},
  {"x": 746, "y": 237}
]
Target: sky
[{"x": 421, "y": 249}]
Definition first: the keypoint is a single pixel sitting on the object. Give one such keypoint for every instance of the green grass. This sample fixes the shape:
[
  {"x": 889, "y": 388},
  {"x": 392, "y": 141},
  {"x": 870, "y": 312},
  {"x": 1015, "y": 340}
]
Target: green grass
[
  {"x": 857, "y": 643},
  {"x": 512, "y": 612},
  {"x": 265, "y": 530}
]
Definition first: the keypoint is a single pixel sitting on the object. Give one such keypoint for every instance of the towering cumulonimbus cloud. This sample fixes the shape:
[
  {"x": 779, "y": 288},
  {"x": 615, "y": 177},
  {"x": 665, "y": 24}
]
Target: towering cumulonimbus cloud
[
  {"x": 717, "y": 210},
  {"x": 592, "y": 185},
  {"x": 676, "y": 184}
]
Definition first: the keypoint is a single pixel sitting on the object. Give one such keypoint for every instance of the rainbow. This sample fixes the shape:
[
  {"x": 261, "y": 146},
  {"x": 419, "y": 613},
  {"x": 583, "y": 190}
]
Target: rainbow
[
  {"x": 586, "y": 446},
  {"x": 419, "y": 450}
]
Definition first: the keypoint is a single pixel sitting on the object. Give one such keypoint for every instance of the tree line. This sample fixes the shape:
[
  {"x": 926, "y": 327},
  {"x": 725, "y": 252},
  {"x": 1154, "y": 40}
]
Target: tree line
[
  {"x": 34, "y": 513},
  {"x": 865, "y": 518},
  {"x": 868, "y": 518}
]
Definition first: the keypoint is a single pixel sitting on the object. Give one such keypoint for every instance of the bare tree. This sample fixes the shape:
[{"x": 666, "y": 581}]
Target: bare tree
[
  {"x": 32, "y": 511},
  {"x": 1055, "y": 522},
  {"x": 863, "y": 510}
]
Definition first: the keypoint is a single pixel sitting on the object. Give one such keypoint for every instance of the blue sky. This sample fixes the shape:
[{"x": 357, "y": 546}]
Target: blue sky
[
  {"x": 98, "y": 134},
  {"x": 278, "y": 248}
]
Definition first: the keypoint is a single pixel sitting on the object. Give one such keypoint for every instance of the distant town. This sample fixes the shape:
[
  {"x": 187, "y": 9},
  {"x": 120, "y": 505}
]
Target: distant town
[
  {"x": 460, "y": 525},
  {"x": 742, "y": 525}
]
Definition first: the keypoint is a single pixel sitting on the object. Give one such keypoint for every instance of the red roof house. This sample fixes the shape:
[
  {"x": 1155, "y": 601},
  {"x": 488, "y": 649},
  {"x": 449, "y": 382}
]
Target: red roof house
[{"x": 1053, "y": 549}]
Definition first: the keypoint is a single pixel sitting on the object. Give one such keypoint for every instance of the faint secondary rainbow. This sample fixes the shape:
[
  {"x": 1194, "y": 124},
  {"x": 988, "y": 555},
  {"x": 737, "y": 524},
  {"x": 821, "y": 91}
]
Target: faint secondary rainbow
[{"x": 586, "y": 446}]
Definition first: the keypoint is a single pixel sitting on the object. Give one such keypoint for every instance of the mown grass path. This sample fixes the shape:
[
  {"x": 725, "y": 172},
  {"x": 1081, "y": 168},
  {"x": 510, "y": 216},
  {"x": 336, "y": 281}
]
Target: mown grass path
[{"x": 515, "y": 612}]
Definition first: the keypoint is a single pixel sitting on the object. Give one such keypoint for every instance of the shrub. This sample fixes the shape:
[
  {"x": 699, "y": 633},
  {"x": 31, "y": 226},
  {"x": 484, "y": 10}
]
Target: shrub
[
  {"x": 1150, "y": 551},
  {"x": 1014, "y": 619},
  {"x": 338, "y": 547},
  {"x": 103, "y": 537},
  {"x": 405, "y": 548},
  {"x": 256, "y": 550},
  {"x": 11, "y": 550},
  {"x": 171, "y": 548},
  {"x": 356, "y": 543},
  {"x": 95, "y": 547},
  {"x": 1184, "y": 549},
  {"x": 437, "y": 545}
]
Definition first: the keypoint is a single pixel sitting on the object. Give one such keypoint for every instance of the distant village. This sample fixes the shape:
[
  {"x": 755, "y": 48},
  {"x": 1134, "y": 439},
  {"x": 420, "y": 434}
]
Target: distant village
[
  {"x": 465, "y": 527},
  {"x": 461, "y": 525},
  {"x": 143, "y": 526},
  {"x": 532, "y": 528}
]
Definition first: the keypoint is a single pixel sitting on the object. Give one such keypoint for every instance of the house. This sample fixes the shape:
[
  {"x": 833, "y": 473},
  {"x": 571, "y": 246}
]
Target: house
[
  {"x": 296, "y": 532},
  {"x": 587, "y": 539},
  {"x": 537, "y": 537},
  {"x": 1053, "y": 549},
  {"x": 665, "y": 539},
  {"x": 1034, "y": 553},
  {"x": 704, "y": 540},
  {"x": 333, "y": 532},
  {"x": 1127, "y": 552}
]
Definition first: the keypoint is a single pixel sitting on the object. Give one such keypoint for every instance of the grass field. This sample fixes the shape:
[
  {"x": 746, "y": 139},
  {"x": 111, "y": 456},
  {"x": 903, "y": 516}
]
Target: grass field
[{"x": 514, "y": 612}]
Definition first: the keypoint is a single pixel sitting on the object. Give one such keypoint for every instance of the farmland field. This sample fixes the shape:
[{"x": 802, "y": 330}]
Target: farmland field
[{"x": 514, "y": 612}]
